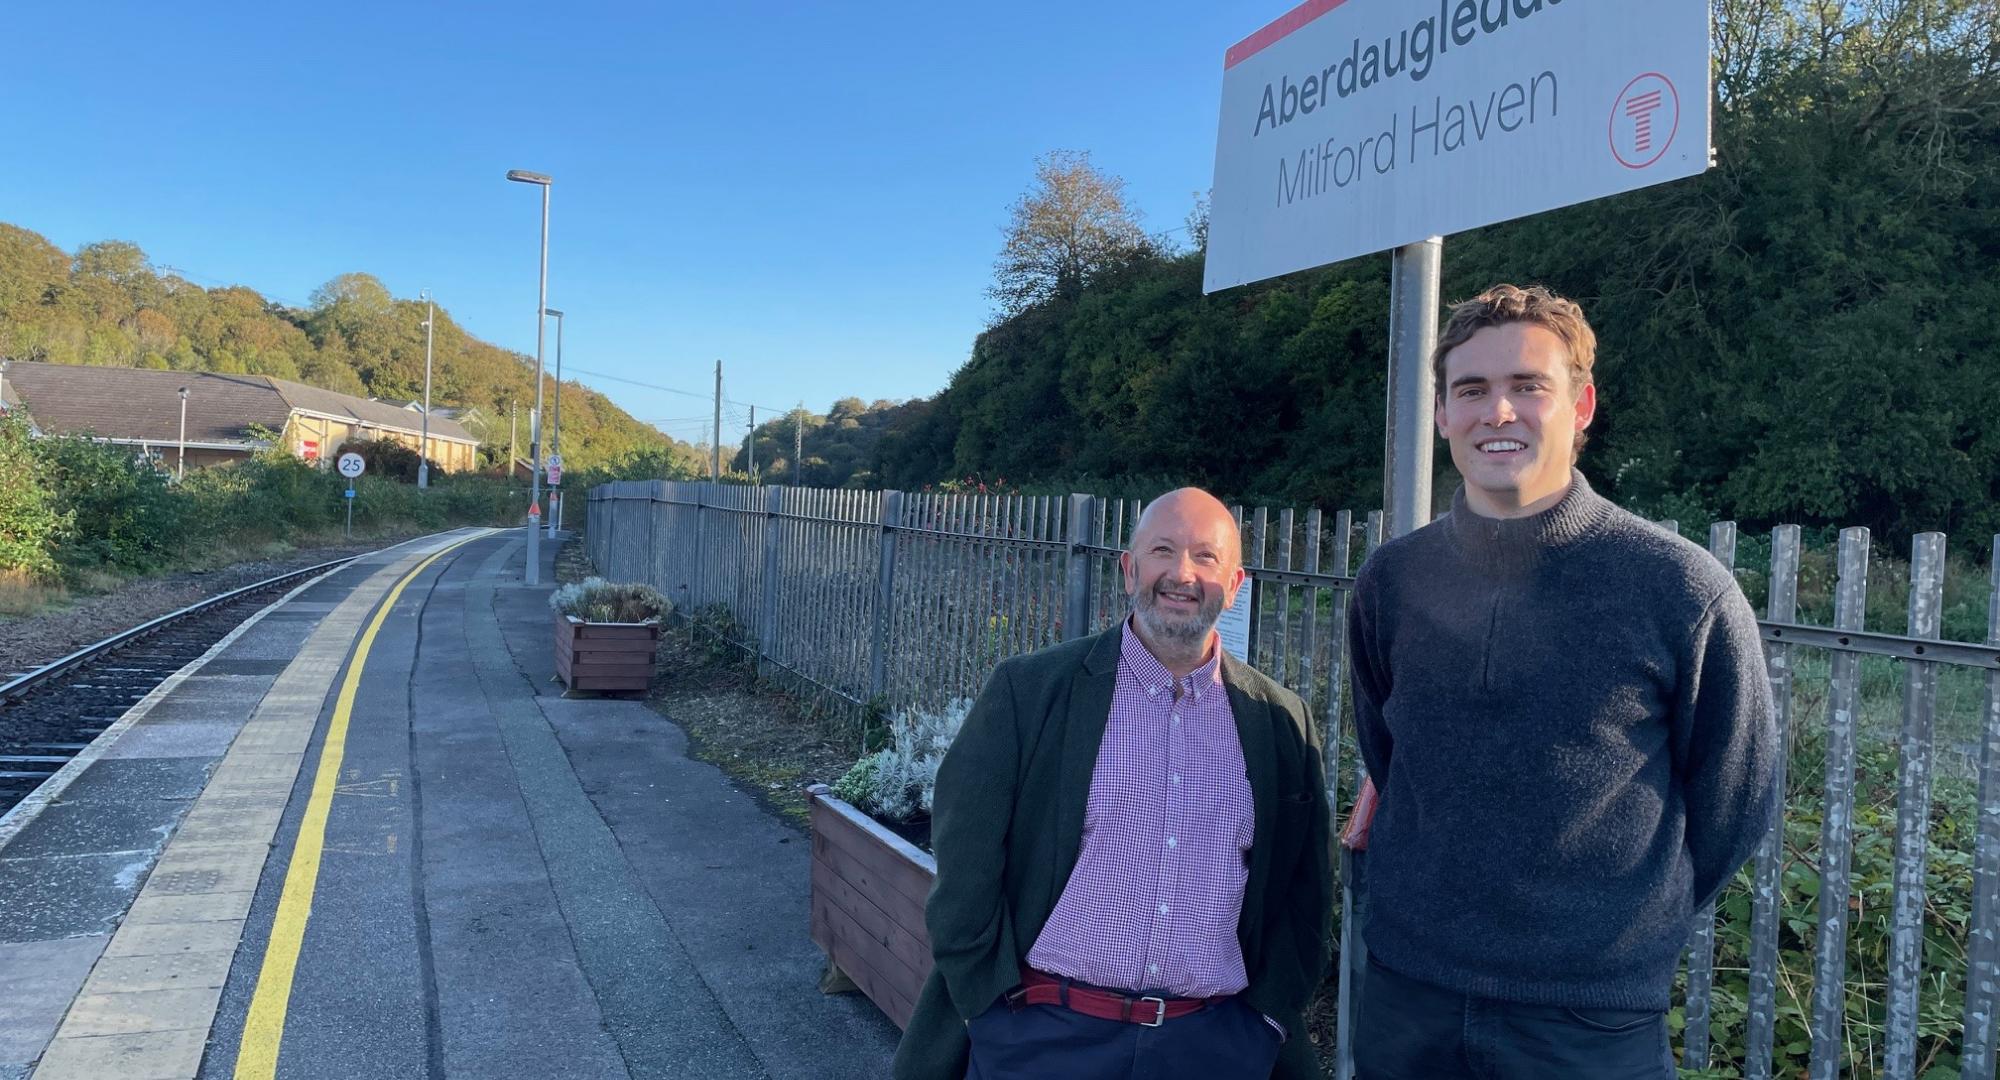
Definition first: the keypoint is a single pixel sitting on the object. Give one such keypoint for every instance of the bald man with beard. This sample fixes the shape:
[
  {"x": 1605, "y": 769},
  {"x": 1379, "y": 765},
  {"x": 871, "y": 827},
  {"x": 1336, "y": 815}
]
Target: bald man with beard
[{"x": 1133, "y": 847}]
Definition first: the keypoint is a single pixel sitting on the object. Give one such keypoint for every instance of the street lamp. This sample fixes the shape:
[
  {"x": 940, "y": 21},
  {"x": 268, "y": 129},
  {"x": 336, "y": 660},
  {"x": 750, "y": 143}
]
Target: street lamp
[
  {"x": 534, "y": 568},
  {"x": 180, "y": 471},
  {"x": 424, "y": 445},
  {"x": 555, "y": 495}
]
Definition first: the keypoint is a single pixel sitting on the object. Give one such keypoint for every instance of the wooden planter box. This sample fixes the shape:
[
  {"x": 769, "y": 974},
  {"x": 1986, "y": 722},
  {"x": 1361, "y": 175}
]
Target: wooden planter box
[
  {"x": 868, "y": 891},
  {"x": 605, "y": 656}
]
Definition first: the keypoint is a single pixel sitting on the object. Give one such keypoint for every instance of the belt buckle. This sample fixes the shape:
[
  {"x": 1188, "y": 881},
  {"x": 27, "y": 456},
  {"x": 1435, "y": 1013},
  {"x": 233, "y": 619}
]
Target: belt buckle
[{"x": 1159, "y": 1012}]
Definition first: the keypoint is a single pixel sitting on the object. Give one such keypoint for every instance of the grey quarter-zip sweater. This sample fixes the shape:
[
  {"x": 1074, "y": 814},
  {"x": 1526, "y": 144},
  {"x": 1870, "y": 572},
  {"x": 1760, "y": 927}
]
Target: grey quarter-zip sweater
[{"x": 1570, "y": 723}]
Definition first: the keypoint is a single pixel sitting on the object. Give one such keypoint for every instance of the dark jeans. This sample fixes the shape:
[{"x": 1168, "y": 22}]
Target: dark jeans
[
  {"x": 1226, "y": 1041},
  {"x": 1409, "y": 1030}
]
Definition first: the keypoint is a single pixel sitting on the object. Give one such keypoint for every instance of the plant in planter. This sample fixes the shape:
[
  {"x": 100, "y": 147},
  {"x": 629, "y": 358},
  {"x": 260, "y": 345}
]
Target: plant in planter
[
  {"x": 869, "y": 882},
  {"x": 606, "y": 633},
  {"x": 895, "y": 783}
]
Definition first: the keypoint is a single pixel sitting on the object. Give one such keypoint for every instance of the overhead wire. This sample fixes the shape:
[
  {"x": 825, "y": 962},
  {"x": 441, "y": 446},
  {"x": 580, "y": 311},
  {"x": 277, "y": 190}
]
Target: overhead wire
[{"x": 709, "y": 396}]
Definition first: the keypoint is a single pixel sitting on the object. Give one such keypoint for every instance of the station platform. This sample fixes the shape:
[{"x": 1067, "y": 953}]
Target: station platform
[{"x": 367, "y": 836}]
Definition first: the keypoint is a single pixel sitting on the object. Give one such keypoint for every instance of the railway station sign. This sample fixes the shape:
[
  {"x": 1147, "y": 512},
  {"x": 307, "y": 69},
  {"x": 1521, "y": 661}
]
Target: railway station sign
[{"x": 1357, "y": 126}]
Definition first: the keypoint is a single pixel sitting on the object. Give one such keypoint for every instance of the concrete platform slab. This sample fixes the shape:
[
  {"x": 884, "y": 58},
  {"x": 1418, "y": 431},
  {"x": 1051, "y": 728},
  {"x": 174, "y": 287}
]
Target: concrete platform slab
[
  {"x": 143, "y": 1010},
  {"x": 147, "y": 1055},
  {"x": 175, "y": 938},
  {"x": 96, "y": 828},
  {"x": 127, "y": 781},
  {"x": 133, "y": 974},
  {"x": 37, "y": 981},
  {"x": 195, "y": 907},
  {"x": 204, "y": 739},
  {"x": 59, "y": 896},
  {"x": 243, "y": 666}
]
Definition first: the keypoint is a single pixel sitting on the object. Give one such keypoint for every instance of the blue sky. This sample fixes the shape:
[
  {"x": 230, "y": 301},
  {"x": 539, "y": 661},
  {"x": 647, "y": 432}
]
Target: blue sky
[{"x": 811, "y": 193}]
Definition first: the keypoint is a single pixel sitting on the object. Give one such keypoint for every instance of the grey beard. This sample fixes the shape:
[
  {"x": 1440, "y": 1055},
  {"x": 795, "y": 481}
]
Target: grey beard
[{"x": 1186, "y": 632}]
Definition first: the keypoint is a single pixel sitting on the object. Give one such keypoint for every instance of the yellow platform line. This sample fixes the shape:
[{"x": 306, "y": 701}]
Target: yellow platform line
[{"x": 257, "y": 1057}]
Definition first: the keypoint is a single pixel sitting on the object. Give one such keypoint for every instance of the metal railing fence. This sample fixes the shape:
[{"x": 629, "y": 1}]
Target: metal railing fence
[{"x": 907, "y": 600}]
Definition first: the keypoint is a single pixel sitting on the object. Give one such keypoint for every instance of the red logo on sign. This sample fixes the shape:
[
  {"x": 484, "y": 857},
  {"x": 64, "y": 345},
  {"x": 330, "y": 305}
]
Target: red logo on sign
[{"x": 1644, "y": 120}]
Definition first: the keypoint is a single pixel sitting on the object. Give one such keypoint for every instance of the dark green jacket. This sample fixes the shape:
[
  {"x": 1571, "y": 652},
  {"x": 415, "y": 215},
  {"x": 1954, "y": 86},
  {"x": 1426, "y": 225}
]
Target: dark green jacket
[{"x": 1008, "y": 822}]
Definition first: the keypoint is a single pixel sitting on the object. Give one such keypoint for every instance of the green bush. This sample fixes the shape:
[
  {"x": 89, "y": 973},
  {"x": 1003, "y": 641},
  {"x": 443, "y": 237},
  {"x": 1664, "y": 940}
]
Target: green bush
[
  {"x": 124, "y": 513},
  {"x": 272, "y": 496},
  {"x": 386, "y": 458},
  {"x": 30, "y": 527},
  {"x": 74, "y": 506}
]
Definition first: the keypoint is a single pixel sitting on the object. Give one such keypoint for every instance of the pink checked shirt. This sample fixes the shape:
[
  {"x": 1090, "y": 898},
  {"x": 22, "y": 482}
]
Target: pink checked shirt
[{"x": 1158, "y": 886}]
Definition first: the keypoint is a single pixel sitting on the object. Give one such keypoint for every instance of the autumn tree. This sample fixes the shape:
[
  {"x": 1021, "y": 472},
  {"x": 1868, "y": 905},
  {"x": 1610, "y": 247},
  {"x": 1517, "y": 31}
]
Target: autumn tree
[{"x": 1067, "y": 230}]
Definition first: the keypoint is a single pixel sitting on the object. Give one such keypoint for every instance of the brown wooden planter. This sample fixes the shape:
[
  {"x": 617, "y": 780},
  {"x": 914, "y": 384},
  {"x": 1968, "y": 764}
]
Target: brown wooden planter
[
  {"x": 605, "y": 656},
  {"x": 868, "y": 892}
]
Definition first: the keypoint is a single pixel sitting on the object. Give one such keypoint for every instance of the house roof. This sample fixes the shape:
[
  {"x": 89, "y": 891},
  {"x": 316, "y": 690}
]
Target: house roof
[
  {"x": 363, "y": 411},
  {"x": 144, "y": 405}
]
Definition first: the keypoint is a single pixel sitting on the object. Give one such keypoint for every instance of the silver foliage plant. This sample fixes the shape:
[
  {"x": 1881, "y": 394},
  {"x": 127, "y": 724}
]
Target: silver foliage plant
[
  {"x": 596, "y": 600},
  {"x": 897, "y": 782}
]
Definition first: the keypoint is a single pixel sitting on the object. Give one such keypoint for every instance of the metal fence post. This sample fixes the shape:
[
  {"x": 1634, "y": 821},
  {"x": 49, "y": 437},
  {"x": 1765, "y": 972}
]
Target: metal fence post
[
  {"x": 885, "y": 589},
  {"x": 1836, "y": 836},
  {"x": 1701, "y": 935},
  {"x": 1982, "y": 986},
  {"x": 1913, "y": 808},
  {"x": 698, "y": 573},
  {"x": 1082, "y": 568},
  {"x": 767, "y": 637}
]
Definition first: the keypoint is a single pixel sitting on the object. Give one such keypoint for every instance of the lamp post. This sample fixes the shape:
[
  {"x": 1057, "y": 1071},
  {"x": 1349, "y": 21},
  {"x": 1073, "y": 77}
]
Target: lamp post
[
  {"x": 533, "y": 576},
  {"x": 424, "y": 446},
  {"x": 555, "y": 493},
  {"x": 181, "y": 469}
]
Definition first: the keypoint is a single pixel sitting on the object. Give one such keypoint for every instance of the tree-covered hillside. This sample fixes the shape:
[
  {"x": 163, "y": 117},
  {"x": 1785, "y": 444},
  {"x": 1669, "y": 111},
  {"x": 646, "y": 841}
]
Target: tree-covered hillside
[
  {"x": 1805, "y": 333},
  {"x": 107, "y": 304}
]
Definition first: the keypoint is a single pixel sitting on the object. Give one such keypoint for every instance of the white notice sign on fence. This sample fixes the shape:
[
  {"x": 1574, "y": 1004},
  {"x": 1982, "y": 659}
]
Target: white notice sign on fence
[
  {"x": 1234, "y": 626},
  {"x": 1356, "y": 126}
]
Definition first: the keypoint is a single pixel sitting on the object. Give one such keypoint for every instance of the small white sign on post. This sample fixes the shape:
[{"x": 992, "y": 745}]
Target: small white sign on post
[
  {"x": 1356, "y": 126},
  {"x": 352, "y": 465},
  {"x": 1234, "y": 626}
]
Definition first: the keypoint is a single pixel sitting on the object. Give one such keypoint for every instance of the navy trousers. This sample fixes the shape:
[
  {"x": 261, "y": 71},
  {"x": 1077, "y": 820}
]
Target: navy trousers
[
  {"x": 1226, "y": 1041},
  {"x": 1410, "y": 1030}
]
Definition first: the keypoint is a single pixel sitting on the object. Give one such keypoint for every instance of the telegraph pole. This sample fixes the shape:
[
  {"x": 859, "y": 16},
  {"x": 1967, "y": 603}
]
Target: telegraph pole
[
  {"x": 798, "y": 440},
  {"x": 510, "y": 440},
  {"x": 715, "y": 441},
  {"x": 753, "y": 444}
]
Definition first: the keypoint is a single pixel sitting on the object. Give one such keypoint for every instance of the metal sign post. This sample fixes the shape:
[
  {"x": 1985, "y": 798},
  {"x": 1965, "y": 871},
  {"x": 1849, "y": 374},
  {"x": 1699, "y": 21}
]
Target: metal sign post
[
  {"x": 1413, "y": 333},
  {"x": 351, "y": 466},
  {"x": 555, "y": 469}
]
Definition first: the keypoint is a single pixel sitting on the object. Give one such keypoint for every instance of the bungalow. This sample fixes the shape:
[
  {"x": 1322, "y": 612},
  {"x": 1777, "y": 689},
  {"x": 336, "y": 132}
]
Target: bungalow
[{"x": 143, "y": 408}]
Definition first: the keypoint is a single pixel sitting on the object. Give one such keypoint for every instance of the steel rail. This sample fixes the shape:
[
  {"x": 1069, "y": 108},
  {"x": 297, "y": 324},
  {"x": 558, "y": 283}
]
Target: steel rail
[{"x": 29, "y": 681}]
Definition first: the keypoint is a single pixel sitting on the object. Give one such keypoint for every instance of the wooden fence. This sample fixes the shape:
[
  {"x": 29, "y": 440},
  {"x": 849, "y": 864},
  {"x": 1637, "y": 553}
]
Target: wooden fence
[{"x": 907, "y": 600}]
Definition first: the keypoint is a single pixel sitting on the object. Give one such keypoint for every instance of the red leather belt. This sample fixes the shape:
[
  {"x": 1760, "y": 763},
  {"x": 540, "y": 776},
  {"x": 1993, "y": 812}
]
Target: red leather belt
[{"x": 1041, "y": 988}]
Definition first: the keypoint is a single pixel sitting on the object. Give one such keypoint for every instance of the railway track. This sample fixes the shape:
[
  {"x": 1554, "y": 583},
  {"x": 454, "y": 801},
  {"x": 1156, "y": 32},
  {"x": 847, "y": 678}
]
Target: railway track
[{"x": 50, "y": 714}]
